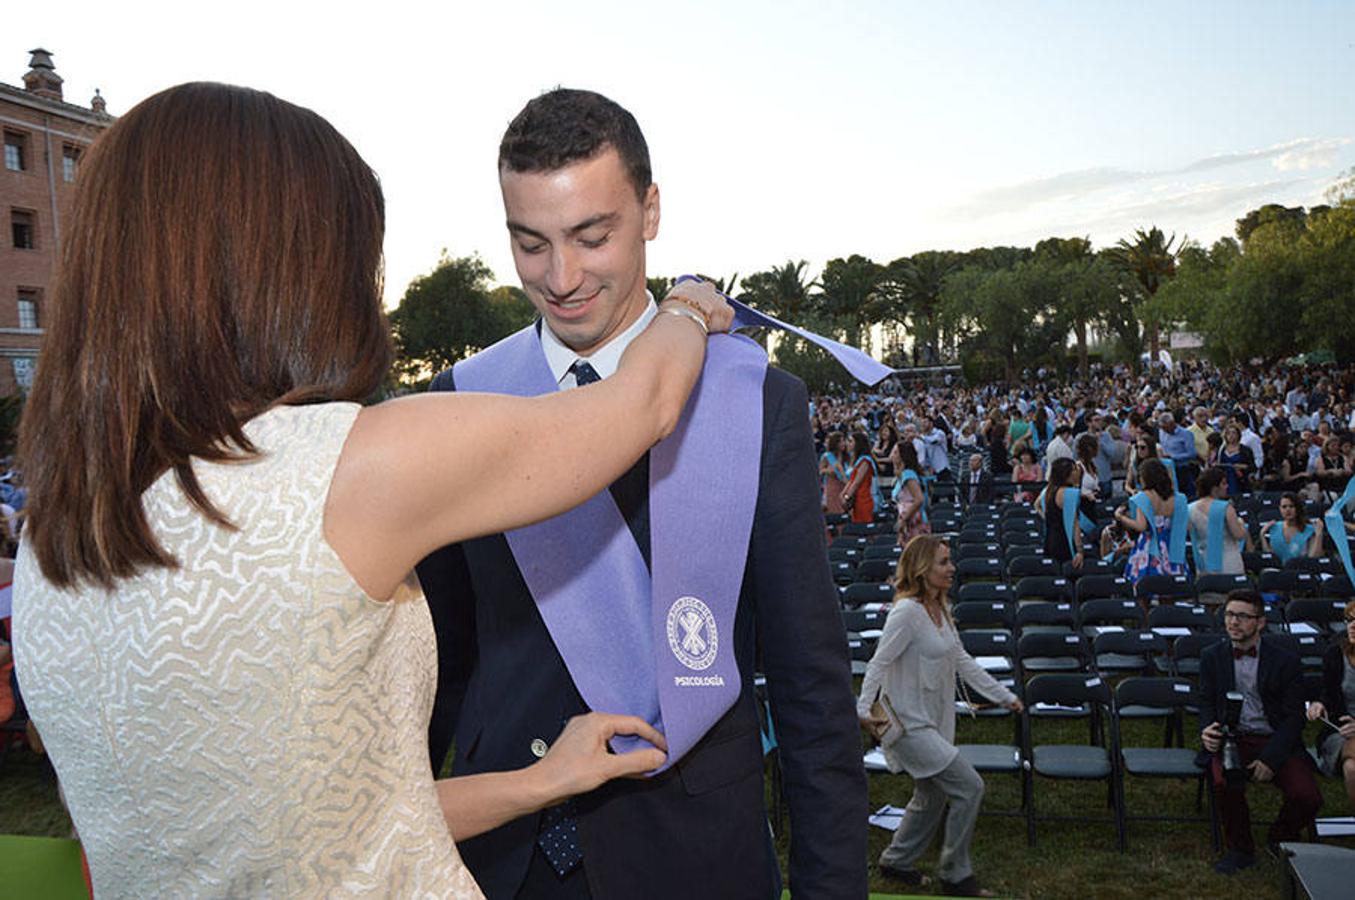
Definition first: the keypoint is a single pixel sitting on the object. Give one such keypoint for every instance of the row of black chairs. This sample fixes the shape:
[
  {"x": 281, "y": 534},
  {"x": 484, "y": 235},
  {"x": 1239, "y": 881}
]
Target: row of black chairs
[{"x": 1105, "y": 756}]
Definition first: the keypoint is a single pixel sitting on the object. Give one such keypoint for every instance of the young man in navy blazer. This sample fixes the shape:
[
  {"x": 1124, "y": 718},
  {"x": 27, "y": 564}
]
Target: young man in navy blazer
[
  {"x": 1269, "y": 676},
  {"x": 581, "y": 204}
]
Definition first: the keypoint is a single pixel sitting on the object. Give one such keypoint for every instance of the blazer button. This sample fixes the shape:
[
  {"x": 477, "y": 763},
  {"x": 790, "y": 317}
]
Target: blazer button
[{"x": 539, "y": 748}]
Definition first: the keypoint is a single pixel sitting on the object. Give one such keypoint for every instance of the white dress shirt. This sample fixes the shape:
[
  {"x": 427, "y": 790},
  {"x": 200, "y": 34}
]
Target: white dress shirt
[{"x": 604, "y": 359}]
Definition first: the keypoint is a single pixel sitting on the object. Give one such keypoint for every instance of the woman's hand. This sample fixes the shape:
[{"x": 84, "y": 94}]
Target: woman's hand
[
  {"x": 875, "y": 726},
  {"x": 580, "y": 759},
  {"x": 1316, "y": 711},
  {"x": 1016, "y": 705},
  {"x": 706, "y": 300}
]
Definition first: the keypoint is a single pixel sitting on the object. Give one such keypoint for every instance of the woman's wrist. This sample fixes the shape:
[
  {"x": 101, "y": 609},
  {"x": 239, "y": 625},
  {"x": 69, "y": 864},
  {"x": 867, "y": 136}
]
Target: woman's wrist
[{"x": 674, "y": 307}]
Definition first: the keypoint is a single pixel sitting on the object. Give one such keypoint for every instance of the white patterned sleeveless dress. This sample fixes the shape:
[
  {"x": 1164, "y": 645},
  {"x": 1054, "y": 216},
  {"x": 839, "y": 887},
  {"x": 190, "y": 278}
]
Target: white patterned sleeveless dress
[{"x": 250, "y": 724}]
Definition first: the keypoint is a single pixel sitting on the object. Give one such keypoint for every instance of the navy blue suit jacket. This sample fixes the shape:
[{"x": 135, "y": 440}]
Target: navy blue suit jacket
[{"x": 699, "y": 829}]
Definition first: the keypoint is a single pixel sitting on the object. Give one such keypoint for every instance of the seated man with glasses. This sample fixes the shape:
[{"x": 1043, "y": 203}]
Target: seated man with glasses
[{"x": 1268, "y": 734}]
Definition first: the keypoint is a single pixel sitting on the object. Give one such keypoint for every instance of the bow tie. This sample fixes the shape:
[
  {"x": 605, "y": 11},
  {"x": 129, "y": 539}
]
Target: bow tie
[{"x": 1238, "y": 652}]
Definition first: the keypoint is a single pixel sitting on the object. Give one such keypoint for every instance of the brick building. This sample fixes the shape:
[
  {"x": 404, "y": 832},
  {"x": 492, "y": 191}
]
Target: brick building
[{"x": 44, "y": 138}]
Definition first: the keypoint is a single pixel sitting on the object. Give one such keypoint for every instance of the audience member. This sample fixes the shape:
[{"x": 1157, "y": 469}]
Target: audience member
[{"x": 1336, "y": 709}]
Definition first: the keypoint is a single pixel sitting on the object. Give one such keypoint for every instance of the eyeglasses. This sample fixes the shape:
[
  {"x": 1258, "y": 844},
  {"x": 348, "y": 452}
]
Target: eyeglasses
[{"x": 1240, "y": 616}]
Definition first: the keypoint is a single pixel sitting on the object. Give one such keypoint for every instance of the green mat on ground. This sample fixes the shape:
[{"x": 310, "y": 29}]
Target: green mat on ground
[{"x": 41, "y": 867}]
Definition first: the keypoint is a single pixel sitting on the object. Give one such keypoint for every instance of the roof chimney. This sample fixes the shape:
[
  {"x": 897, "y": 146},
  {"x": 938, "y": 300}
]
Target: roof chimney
[{"x": 41, "y": 78}]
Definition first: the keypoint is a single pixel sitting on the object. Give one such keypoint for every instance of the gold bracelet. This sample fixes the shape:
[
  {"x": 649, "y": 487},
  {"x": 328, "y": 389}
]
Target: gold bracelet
[
  {"x": 686, "y": 313},
  {"x": 691, "y": 304}
]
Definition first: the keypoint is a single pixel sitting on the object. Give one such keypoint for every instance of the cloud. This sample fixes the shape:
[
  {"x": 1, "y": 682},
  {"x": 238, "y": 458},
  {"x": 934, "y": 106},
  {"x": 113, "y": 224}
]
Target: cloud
[{"x": 1299, "y": 155}]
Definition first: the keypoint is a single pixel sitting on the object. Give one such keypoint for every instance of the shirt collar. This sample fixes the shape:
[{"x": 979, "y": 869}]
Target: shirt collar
[{"x": 604, "y": 359}]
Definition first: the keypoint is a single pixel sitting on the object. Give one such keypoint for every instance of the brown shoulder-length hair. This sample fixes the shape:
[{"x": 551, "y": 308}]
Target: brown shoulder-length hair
[
  {"x": 910, "y": 576},
  {"x": 223, "y": 256}
]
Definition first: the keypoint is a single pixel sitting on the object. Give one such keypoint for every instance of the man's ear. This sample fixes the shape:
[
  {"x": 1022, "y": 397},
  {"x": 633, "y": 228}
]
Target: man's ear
[{"x": 651, "y": 212}]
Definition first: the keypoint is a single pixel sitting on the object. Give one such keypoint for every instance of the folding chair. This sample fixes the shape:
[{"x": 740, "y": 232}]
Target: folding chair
[
  {"x": 1090, "y": 566},
  {"x": 859, "y": 621},
  {"x": 1127, "y": 652},
  {"x": 843, "y": 573},
  {"x": 1166, "y": 699},
  {"x": 1220, "y": 584},
  {"x": 986, "y": 590},
  {"x": 1046, "y": 651},
  {"x": 859, "y": 593},
  {"x": 875, "y": 570},
  {"x": 1288, "y": 583},
  {"x": 978, "y": 568},
  {"x": 1255, "y": 562},
  {"x": 1096, "y": 616},
  {"x": 1095, "y": 587},
  {"x": 1165, "y": 589},
  {"x": 860, "y": 650},
  {"x": 1038, "y": 616},
  {"x": 1064, "y": 696},
  {"x": 860, "y": 529},
  {"x": 852, "y": 555},
  {"x": 1322, "y": 615},
  {"x": 1185, "y": 653},
  {"x": 1044, "y": 587},
  {"x": 992, "y": 648},
  {"x": 981, "y": 550},
  {"x": 1024, "y": 566}
]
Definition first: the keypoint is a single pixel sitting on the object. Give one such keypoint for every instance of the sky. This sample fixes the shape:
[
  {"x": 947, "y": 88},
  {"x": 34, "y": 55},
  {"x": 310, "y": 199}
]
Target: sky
[{"x": 782, "y": 130}]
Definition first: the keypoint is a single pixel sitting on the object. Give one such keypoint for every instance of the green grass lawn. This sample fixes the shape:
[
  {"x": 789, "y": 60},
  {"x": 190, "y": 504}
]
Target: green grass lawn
[{"x": 1070, "y": 859}]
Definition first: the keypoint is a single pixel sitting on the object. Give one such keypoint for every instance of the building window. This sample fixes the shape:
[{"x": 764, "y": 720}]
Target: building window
[
  {"x": 16, "y": 151},
  {"x": 21, "y": 226},
  {"x": 70, "y": 159},
  {"x": 28, "y": 309}
]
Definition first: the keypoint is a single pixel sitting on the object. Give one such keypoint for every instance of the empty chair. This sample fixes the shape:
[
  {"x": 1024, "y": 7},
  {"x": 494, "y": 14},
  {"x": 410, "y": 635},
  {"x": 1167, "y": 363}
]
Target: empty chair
[
  {"x": 977, "y": 568},
  {"x": 1339, "y": 586},
  {"x": 1023, "y": 566},
  {"x": 875, "y": 570},
  {"x": 1065, "y": 696},
  {"x": 1309, "y": 648},
  {"x": 1127, "y": 652},
  {"x": 1094, "y": 587},
  {"x": 1169, "y": 620},
  {"x": 1044, "y": 587},
  {"x": 890, "y": 552},
  {"x": 1026, "y": 537},
  {"x": 981, "y": 549},
  {"x": 1309, "y": 564},
  {"x": 849, "y": 541},
  {"x": 1096, "y": 616},
  {"x": 992, "y": 648},
  {"x": 1165, "y": 589},
  {"x": 859, "y": 621},
  {"x": 1322, "y": 615},
  {"x": 860, "y": 529},
  {"x": 883, "y": 540},
  {"x": 852, "y": 555},
  {"x": 986, "y": 590},
  {"x": 1288, "y": 583},
  {"x": 860, "y": 649},
  {"x": 1171, "y": 700},
  {"x": 843, "y": 572},
  {"x": 859, "y": 593},
  {"x": 1012, "y": 551},
  {"x": 1046, "y": 615},
  {"x": 1044, "y": 651},
  {"x": 1255, "y": 562},
  {"x": 1091, "y": 566},
  {"x": 1218, "y": 583},
  {"x": 983, "y": 614}
]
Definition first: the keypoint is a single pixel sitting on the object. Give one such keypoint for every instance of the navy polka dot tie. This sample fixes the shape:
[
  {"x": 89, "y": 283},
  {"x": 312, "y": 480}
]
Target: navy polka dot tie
[
  {"x": 559, "y": 835},
  {"x": 584, "y": 373}
]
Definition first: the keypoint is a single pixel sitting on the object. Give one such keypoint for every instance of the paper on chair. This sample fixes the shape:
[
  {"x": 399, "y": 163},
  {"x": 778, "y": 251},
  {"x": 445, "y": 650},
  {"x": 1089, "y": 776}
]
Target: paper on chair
[
  {"x": 872, "y": 634},
  {"x": 888, "y": 817},
  {"x": 874, "y": 760},
  {"x": 1337, "y": 826},
  {"x": 1171, "y": 631},
  {"x": 994, "y": 663},
  {"x": 1302, "y": 628}
]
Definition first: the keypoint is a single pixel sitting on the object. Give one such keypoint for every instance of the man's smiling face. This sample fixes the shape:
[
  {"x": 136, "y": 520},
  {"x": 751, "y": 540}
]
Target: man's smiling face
[{"x": 578, "y": 237}]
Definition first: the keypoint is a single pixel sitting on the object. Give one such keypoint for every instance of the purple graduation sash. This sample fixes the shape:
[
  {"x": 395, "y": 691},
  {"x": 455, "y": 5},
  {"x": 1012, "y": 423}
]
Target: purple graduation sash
[{"x": 658, "y": 647}]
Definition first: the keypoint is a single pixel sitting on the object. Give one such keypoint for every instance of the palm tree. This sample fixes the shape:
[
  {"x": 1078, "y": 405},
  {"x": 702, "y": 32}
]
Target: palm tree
[
  {"x": 920, "y": 278},
  {"x": 1151, "y": 260}
]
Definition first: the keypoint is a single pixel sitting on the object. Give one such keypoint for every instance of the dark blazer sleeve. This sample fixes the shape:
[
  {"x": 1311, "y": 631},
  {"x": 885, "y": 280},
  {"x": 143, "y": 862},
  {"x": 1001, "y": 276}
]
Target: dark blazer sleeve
[
  {"x": 445, "y": 578},
  {"x": 804, "y": 656},
  {"x": 1287, "y": 688}
]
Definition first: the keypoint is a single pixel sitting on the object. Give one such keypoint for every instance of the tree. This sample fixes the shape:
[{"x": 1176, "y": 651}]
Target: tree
[
  {"x": 1151, "y": 261},
  {"x": 1005, "y": 316},
  {"x": 920, "y": 278},
  {"x": 847, "y": 295},
  {"x": 452, "y": 313},
  {"x": 1268, "y": 214},
  {"x": 782, "y": 291}
]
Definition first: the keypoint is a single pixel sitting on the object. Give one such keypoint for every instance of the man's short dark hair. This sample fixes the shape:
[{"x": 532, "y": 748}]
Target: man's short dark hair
[
  {"x": 566, "y": 126},
  {"x": 1249, "y": 597}
]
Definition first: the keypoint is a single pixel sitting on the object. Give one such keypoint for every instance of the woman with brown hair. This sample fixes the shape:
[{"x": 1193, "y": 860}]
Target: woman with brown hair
[
  {"x": 858, "y": 497},
  {"x": 1336, "y": 746},
  {"x": 212, "y": 629},
  {"x": 907, "y": 703},
  {"x": 832, "y": 475}
]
